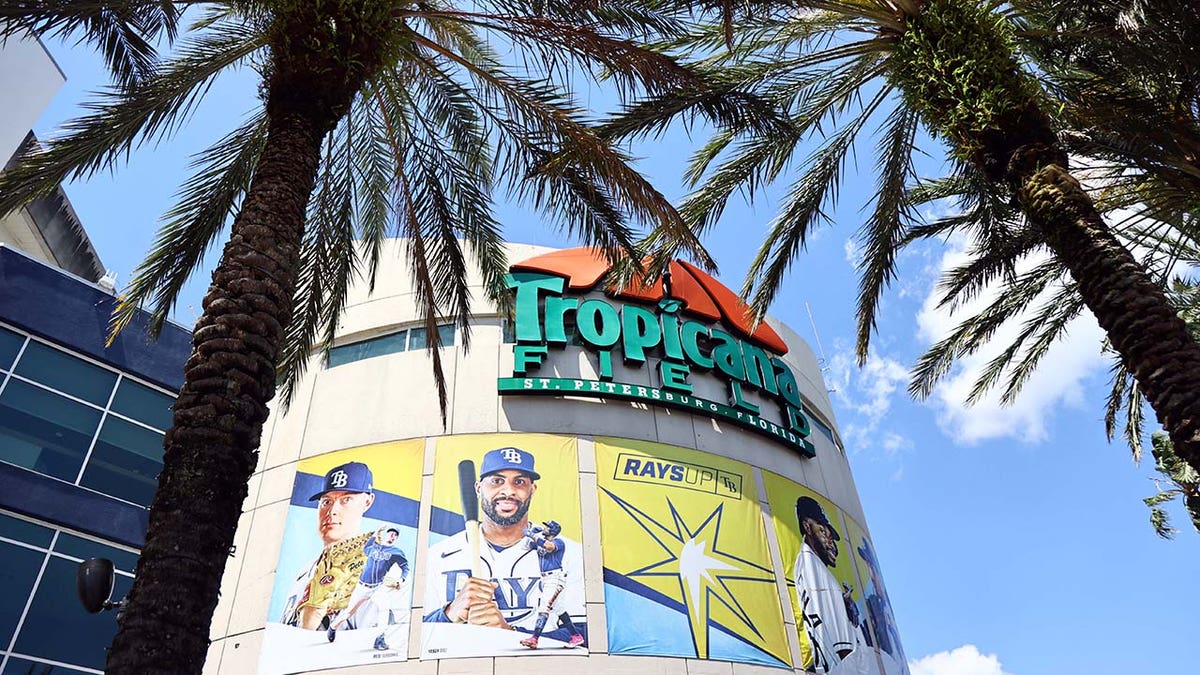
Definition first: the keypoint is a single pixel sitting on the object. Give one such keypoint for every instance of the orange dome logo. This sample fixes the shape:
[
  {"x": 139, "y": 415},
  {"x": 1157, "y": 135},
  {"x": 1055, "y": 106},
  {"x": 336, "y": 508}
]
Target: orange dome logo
[{"x": 701, "y": 294}]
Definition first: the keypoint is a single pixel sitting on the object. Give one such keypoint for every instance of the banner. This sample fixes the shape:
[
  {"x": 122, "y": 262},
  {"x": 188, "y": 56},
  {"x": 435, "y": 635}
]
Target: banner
[
  {"x": 687, "y": 572},
  {"x": 826, "y": 596},
  {"x": 342, "y": 592},
  {"x": 523, "y": 592},
  {"x": 883, "y": 634}
]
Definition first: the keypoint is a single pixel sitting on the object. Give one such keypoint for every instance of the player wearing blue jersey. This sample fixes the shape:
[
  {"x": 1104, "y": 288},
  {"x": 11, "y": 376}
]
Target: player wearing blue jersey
[
  {"x": 377, "y": 600},
  {"x": 550, "y": 550},
  {"x": 512, "y": 589}
]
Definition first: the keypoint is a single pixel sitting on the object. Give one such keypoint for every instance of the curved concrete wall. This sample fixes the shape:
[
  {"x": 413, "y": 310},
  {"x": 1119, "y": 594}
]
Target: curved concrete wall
[{"x": 392, "y": 397}]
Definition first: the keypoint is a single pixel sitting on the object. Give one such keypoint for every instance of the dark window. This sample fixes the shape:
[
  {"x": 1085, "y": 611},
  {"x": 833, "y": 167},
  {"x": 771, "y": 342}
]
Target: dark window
[
  {"x": 56, "y": 626},
  {"x": 18, "y": 666},
  {"x": 17, "y": 575},
  {"x": 508, "y": 333},
  {"x": 66, "y": 373},
  {"x": 416, "y": 337},
  {"x": 23, "y": 530},
  {"x": 10, "y": 344},
  {"x": 143, "y": 404},
  {"x": 69, "y": 544},
  {"x": 388, "y": 344},
  {"x": 125, "y": 462},
  {"x": 43, "y": 431}
]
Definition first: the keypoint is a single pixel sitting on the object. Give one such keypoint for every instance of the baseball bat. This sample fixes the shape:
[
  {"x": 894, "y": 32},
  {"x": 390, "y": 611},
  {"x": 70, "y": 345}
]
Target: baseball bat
[{"x": 470, "y": 507}]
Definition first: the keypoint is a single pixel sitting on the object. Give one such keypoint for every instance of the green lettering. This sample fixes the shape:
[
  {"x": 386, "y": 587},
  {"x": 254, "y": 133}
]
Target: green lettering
[
  {"x": 759, "y": 371},
  {"x": 738, "y": 400},
  {"x": 556, "y": 312},
  {"x": 639, "y": 331},
  {"x": 528, "y": 285},
  {"x": 527, "y": 357},
  {"x": 787, "y": 383},
  {"x": 689, "y": 335},
  {"x": 674, "y": 376},
  {"x": 598, "y": 323},
  {"x": 728, "y": 356}
]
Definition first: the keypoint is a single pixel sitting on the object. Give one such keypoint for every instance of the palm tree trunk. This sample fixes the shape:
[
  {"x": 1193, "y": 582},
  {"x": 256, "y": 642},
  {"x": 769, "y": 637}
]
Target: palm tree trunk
[
  {"x": 211, "y": 449},
  {"x": 957, "y": 65},
  {"x": 1153, "y": 342}
]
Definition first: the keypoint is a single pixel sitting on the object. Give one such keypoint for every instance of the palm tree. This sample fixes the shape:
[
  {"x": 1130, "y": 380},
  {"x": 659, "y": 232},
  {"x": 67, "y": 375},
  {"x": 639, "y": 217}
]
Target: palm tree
[
  {"x": 377, "y": 119},
  {"x": 951, "y": 68}
]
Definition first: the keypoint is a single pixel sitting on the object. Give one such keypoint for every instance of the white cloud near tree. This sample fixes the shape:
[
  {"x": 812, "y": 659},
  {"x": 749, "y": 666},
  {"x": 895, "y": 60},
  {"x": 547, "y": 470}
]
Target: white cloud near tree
[
  {"x": 964, "y": 660},
  {"x": 866, "y": 394},
  {"x": 1058, "y": 383}
]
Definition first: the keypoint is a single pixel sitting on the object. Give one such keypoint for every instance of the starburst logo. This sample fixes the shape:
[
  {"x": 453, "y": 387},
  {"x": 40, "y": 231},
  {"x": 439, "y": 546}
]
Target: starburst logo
[{"x": 690, "y": 561}]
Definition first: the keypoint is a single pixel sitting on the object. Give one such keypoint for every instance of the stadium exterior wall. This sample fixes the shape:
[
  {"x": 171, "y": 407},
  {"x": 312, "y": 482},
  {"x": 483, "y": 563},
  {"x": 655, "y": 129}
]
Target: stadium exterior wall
[{"x": 392, "y": 397}]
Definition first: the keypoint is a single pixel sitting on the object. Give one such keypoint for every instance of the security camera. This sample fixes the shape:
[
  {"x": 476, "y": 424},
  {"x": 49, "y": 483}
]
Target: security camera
[{"x": 94, "y": 582}]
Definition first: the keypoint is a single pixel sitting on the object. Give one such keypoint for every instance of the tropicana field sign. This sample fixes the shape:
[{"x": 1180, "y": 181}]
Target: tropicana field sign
[{"x": 699, "y": 328}]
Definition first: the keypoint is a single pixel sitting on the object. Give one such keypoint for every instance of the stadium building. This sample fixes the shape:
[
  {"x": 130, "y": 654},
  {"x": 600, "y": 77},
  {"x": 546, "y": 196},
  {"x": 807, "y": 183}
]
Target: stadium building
[{"x": 634, "y": 480}]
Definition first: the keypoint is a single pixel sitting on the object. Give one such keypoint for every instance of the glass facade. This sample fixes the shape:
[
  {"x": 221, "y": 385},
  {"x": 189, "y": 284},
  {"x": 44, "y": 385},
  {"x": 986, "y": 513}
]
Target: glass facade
[
  {"x": 410, "y": 339},
  {"x": 83, "y": 423},
  {"x": 43, "y": 628}
]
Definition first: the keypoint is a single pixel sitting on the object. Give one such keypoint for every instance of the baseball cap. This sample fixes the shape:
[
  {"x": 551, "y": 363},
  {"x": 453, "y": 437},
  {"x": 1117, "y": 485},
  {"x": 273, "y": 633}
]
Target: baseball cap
[
  {"x": 502, "y": 459},
  {"x": 348, "y": 477},
  {"x": 867, "y": 554},
  {"x": 807, "y": 507}
]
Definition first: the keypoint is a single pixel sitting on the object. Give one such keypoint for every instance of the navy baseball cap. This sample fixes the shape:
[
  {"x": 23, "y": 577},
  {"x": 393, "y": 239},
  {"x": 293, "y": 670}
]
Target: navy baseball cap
[
  {"x": 807, "y": 507},
  {"x": 348, "y": 477},
  {"x": 501, "y": 459}
]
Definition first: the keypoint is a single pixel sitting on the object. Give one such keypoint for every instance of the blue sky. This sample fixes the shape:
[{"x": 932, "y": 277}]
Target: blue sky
[{"x": 1013, "y": 541}]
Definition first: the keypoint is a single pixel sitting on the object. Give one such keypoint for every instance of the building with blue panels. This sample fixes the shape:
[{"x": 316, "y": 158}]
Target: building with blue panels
[{"x": 81, "y": 427}]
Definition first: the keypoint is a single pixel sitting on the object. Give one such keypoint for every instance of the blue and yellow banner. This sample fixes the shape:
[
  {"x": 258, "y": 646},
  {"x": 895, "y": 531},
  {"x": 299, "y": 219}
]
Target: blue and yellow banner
[{"x": 687, "y": 572}]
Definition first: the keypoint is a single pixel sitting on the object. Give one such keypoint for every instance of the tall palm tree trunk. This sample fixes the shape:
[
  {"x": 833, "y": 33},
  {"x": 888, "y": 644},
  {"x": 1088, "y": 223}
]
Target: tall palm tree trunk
[
  {"x": 211, "y": 449},
  {"x": 1151, "y": 338},
  {"x": 956, "y": 64}
]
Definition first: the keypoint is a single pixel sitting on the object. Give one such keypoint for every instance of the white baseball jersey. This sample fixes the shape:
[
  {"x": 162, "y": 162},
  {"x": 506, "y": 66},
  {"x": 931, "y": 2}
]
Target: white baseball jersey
[
  {"x": 825, "y": 620},
  {"x": 517, "y": 571}
]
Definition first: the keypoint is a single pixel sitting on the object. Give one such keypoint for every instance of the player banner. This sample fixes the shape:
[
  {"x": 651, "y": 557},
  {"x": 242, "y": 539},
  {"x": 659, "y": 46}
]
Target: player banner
[
  {"x": 686, "y": 568},
  {"x": 883, "y": 633},
  {"x": 505, "y": 563},
  {"x": 342, "y": 592},
  {"x": 826, "y": 595}
]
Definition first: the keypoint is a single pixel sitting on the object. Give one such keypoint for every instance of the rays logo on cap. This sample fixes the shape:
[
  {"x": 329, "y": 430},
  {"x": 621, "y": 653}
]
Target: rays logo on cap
[
  {"x": 513, "y": 455},
  {"x": 338, "y": 479},
  {"x": 508, "y": 459}
]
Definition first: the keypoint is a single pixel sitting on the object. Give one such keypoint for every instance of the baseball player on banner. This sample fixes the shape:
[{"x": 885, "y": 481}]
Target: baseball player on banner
[
  {"x": 550, "y": 549},
  {"x": 516, "y": 586},
  {"x": 353, "y": 567}
]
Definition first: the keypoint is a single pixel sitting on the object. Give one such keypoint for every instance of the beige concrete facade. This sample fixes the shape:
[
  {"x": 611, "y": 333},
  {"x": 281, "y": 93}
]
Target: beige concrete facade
[{"x": 392, "y": 397}]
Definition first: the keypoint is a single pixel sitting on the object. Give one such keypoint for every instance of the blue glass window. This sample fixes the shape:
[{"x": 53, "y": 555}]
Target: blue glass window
[
  {"x": 57, "y": 628},
  {"x": 125, "y": 461},
  {"x": 143, "y": 404},
  {"x": 416, "y": 339},
  {"x": 78, "y": 547},
  {"x": 23, "y": 530},
  {"x": 10, "y": 344},
  {"x": 43, "y": 431},
  {"x": 388, "y": 344},
  {"x": 66, "y": 373},
  {"x": 17, "y": 575},
  {"x": 19, "y": 666}
]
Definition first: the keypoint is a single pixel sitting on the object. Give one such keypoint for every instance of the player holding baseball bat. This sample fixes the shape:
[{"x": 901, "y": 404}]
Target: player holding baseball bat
[{"x": 488, "y": 575}]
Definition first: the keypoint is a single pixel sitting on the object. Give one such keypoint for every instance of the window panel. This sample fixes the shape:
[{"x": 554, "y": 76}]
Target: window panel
[
  {"x": 416, "y": 339},
  {"x": 69, "y": 544},
  {"x": 388, "y": 344},
  {"x": 143, "y": 404},
  {"x": 19, "y": 666},
  {"x": 43, "y": 431},
  {"x": 125, "y": 461},
  {"x": 17, "y": 575},
  {"x": 10, "y": 344},
  {"x": 56, "y": 614},
  {"x": 446, "y": 334},
  {"x": 66, "y": 373},
  {"x": 23, "y": 530}
]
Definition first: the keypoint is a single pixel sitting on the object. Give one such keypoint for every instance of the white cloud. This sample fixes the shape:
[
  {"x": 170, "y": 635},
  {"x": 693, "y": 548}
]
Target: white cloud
[
  {"x": 1057, "y": 383},
  {"x": 867, "y": 393},
  {"x": 965, "y": 660}
]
